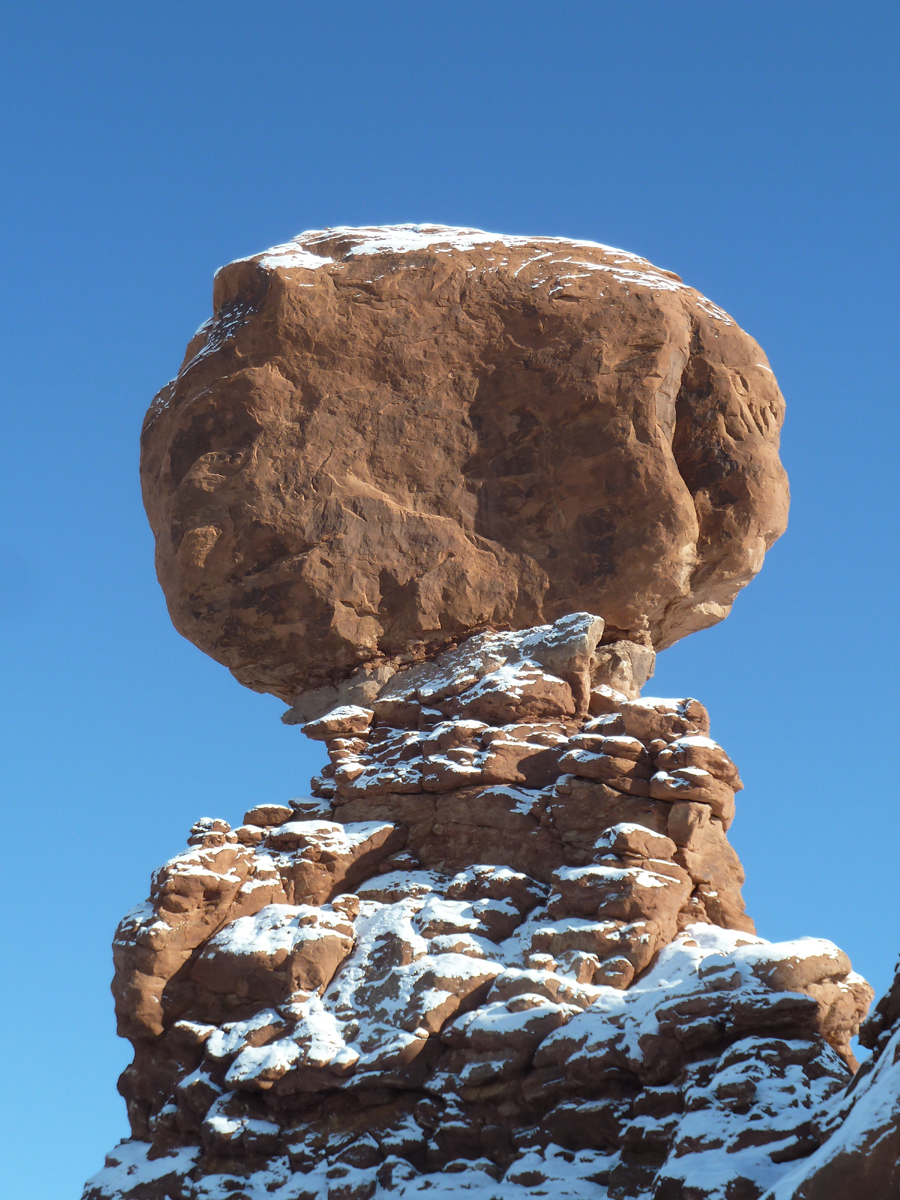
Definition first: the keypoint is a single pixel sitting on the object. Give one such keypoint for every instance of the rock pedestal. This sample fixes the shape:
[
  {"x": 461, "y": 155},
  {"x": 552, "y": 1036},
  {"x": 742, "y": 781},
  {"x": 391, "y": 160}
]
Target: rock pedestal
[{"x": 500, "y": 950}]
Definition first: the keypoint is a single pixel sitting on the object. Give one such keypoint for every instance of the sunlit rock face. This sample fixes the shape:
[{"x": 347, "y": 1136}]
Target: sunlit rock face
[{"x": 387, "y": 439}]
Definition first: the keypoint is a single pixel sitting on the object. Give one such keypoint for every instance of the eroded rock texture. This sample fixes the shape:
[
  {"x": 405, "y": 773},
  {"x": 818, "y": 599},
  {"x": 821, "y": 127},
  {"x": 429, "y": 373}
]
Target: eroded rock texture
[
  {"x": 501, "y": 951},
  {"x": 388, "y": 439}
]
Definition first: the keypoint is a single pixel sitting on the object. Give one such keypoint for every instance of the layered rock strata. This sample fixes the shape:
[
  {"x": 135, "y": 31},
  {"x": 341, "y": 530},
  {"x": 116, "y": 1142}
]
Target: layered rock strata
[
  {"x": 388, "y": 439},
  {"x": 502, "y": 951}
]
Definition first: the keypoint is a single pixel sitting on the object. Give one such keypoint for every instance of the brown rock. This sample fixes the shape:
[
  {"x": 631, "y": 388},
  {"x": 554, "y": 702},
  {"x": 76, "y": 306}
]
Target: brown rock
[
  {"x": 275, "y": 953},
  {"x": 329, "y": 858},
  {"x": 250, "y": 835},
  {"x": 865, "y": 1165},
  {"x": 687, "y": 820},
  {"x": 448, "y": 774},
  {"x": 583, "y": 810},
  {"x": 523, "y": 693},
  {"x": 514, "y": 983},
  {"x": 193, "y": 895},
  {"x": 723, "y": 908},
  {"x": 617, "y": 893},
  {"x": 488, "y": 825},
  {"x": 426, "y": 1020},
  {"x": 609, "y": 722},
  {"x": 619, "y": 773},
  {"x": 702, "y": 753},
  {"x": 616, "y": 971},
  {"x": 628, "y": 838},
  {"x": 621, "y": 747},
  {"x": 797, "y": 973},
  {"x": 648, "y": 719},
  {"x": 265, "y": 816},
  {"x": 485, "y": 882},
  {"x": 692, "y": 783},
  {"x": 861, "y": 1157},
  {"x": 623, "y": 667},
  {"x": 712, "y": 863},
  {"x": 340, "y": 722},
  {"x": 450, "y": 734},
  {"x": 605, "y": 699},
  {"x": 521, "y": 762},
  {"x": 385, "y": 439},
  {"x": 558, "y": 938}
]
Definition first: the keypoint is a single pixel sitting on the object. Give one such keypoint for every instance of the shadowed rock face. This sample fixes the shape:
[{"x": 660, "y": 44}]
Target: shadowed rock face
[{"x": 387, "y": 439}]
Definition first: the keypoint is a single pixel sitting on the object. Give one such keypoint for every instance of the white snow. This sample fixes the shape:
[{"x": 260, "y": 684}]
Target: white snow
[
  {"x": 557, "y": 257},
  {"x": 643, "y": 878},
  {"x": 228, "y": 1039},
  {"x": 128, "y": 1166},
  {"x": 277, "y": 928},
  {"x": 405, "y": 239}
]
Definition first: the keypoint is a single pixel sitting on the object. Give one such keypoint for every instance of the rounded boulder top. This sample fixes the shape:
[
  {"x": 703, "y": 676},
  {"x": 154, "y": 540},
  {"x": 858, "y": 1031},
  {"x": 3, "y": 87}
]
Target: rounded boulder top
[{"x": 386, "y": 439}]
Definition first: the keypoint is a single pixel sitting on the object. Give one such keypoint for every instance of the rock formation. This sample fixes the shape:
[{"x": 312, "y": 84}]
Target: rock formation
[
  {"x": 388, "y": 439},
  {"x": 860, "y": 1153},
  {"x": 501, "y": 950}
]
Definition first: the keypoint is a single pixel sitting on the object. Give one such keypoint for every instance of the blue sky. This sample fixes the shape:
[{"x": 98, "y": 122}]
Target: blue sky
[{"x": 751, "y": 147}]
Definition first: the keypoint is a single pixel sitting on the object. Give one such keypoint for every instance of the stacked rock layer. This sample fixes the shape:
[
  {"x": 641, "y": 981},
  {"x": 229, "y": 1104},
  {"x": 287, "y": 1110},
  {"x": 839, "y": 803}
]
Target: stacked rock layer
[{"x": 501, "y": 951}]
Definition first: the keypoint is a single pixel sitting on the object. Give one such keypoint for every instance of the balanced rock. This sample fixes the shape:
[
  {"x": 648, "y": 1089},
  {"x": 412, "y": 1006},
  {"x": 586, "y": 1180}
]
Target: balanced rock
[
  {"x": 501, "y": 949},
  {"x": 387, "y": 439}
]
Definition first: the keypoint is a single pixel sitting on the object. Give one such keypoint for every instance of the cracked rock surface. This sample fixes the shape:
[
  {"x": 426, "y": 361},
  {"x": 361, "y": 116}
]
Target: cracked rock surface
[
  {"x": 493, "y": 955},
  {"x": 388, "y": 439}
]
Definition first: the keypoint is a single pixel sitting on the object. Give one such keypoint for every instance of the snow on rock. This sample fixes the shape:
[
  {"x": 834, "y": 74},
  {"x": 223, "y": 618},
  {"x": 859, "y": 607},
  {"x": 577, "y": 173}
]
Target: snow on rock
[
  {"x": 429, "y": 979},
  {"x": 859, "y": 1131}
]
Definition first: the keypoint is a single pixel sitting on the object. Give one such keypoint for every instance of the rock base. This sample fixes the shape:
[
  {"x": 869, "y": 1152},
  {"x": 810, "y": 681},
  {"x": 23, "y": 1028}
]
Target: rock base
[{"x": 502, "y": 951}]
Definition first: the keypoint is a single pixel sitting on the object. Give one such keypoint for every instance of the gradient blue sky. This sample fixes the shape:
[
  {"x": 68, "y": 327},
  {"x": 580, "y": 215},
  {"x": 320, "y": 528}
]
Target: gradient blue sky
[{"x": 751, "y": 147}]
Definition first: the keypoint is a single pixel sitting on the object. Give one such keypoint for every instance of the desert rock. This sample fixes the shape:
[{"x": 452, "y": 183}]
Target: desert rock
[{"x": 387, "y": 439}]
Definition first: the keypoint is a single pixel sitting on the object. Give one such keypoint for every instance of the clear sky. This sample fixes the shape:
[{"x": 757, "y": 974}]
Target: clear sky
[{"x": 751, "y": 147}]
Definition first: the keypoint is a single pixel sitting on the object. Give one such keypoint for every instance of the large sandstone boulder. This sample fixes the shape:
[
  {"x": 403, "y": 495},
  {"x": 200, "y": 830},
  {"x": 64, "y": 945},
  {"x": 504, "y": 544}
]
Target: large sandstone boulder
[{"x": 387, "y": 439}]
